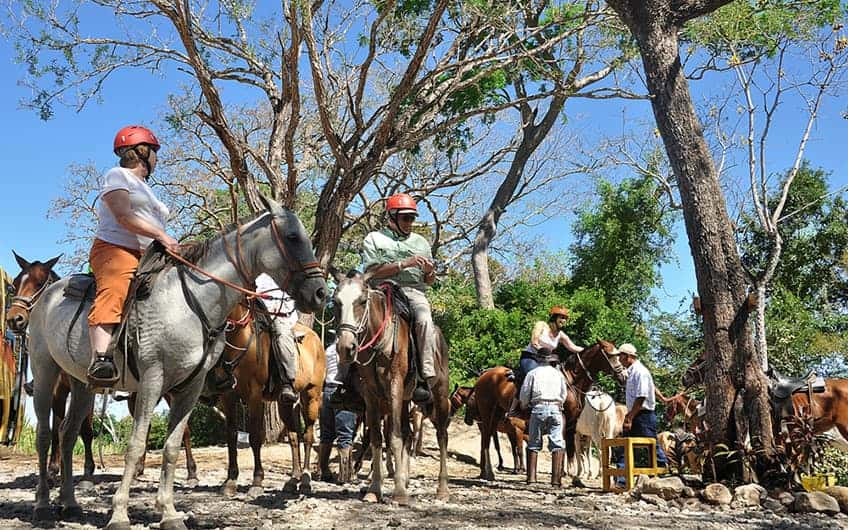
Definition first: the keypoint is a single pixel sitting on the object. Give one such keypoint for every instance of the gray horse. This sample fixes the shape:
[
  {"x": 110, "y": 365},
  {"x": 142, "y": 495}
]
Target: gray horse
[{"x": 177, "y": 332}]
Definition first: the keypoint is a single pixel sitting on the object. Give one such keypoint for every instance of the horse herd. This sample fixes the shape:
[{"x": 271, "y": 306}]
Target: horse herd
[{"x": 201, "y": 326}]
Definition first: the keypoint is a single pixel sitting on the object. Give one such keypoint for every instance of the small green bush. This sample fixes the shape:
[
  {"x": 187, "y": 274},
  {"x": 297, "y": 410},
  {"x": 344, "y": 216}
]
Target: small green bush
[{"x": 834, "y": 461}]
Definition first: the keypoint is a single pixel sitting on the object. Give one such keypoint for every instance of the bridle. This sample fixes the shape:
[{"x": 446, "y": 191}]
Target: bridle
[
  {"x": 360, "y": 327},
  {"x": 615, "y": 370},
  {"x": 27, "y": 302}
]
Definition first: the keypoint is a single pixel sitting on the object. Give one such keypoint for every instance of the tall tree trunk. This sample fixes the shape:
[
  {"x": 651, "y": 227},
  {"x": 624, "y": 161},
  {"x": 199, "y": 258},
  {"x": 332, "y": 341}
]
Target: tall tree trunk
[{"x": 734, "y": 366}]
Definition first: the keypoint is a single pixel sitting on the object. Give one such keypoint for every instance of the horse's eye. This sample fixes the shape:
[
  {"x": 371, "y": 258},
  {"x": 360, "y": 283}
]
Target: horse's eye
[{"x": 291, "y": 236}]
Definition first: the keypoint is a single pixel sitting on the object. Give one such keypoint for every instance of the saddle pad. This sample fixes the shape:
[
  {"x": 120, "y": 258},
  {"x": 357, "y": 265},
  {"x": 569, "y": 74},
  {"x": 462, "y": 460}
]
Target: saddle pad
[{"x": 80, "y": 287}]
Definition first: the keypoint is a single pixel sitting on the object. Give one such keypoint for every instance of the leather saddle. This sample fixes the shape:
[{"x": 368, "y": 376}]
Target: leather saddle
[{"x": 782, "y": 387}]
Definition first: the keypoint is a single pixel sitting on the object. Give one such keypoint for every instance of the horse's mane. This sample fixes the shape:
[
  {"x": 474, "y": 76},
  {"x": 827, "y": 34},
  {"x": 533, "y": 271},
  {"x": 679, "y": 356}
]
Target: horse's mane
[{"x": 194, "y": 251}]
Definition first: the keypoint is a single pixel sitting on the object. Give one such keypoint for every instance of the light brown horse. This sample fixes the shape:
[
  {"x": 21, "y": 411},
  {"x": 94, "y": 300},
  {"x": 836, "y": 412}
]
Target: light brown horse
[
  {"x": 490, "y": 399},
  {"x": 248, "y": 355},
  {"x": 829, "y": 409},
  {"x": 29, "y": 284},
  {"x": 372, "y": 335}
]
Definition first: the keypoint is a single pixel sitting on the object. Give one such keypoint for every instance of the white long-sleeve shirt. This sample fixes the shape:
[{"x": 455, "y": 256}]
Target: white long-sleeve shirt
[{"x": 544, "y": 383}]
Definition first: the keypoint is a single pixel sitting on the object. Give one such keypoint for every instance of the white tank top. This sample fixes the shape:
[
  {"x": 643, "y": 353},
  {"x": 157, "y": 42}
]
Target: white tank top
[{"x": 547, "y": 341}]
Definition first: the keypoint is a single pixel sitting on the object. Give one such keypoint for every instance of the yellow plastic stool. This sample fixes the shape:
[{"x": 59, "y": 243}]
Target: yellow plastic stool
[{"x": 630, "y": 470}]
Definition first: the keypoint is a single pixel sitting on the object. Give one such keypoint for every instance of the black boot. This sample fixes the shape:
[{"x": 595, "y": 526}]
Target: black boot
[
  {"x": 532, "y": 460},
  {"x": 287, "y": 393},
  {"x": 557, "y": 461},
  {"x": 102, "y": 373},
  {"x": 422, "y": 392}
]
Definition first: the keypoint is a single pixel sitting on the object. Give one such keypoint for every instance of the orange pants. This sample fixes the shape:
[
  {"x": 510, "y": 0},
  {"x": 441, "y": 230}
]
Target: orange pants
[{"x": 113, "y": 267}]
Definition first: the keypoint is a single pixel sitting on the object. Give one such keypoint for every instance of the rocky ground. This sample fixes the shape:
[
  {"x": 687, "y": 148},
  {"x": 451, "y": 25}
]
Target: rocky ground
[{"x": 474, "y": 503}]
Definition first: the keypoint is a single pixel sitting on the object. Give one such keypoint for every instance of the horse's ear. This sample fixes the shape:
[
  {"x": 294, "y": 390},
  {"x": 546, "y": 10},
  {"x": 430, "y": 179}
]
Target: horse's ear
[
  {"x": 271, "y": 205},
  {"x": 22, "y": 263},
  {"x": 52, "y": 262}
]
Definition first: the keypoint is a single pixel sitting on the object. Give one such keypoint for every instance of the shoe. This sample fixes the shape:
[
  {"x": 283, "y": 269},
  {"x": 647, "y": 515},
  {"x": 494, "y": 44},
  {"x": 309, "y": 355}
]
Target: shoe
[
  {"x": 532, "y": 460},
  {"x": 102, "y": 373},
  {"x": 557, "y": 459},
  {"x": 422, "y": 392},
  {"x": 287, "y": 393}
]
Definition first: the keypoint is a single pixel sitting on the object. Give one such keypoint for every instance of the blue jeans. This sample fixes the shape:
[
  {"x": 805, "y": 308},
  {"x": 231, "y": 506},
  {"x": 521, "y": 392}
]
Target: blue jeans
[
  {"x": 527, "y": 363},
  {"x": 645, "y": 426},
  {"x": 545, "y": 418},
  {"x": 336, "y": 423}
]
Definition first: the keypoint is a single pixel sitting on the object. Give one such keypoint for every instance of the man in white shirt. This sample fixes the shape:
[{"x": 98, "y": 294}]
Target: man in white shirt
[
  {"x": 641, "y": 420},
  {"x": 283, "y": 318},
  {"x": 544, "y": 390}
]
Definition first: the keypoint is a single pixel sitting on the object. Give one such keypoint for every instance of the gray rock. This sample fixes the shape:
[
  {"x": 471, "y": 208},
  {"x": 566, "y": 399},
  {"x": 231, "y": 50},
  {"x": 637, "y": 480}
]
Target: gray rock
[
  {"x": 688, "y": 492},
  {"x": 773, "y": 505},
  {"x": 816, "y": 501},
  {"x": 840, "y": 493},
  {"x": 667, "y": 487},
  {"x": 749, "y": 495},
  {"x": 656, "y": 500},
  {"x": 786, "y": 498},
  {"x": 717, "y": 494}
]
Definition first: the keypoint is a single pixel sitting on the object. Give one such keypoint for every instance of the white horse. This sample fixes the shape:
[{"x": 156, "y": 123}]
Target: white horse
[
  {"x": 600, "y": 418},
  {"x": 178, "y": 338}
]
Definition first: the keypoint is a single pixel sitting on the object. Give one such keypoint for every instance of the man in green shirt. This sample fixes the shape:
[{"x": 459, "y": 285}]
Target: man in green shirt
[{"x": 397, "y": 253}]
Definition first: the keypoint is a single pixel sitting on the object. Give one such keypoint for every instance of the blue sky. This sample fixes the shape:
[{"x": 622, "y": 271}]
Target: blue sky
[{"x": 36, "y": 156}]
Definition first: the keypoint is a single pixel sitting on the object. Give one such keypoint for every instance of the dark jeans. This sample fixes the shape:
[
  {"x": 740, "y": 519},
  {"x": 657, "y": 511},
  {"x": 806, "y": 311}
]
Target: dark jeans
[
  {"x": 527, "y": 363},
  {"x": 644, "y": 426},
  {"x": 336, "y": 423}
]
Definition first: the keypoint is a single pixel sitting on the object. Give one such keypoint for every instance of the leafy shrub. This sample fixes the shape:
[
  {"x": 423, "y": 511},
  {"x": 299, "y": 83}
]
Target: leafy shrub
[{"x": 834, "y": 461}]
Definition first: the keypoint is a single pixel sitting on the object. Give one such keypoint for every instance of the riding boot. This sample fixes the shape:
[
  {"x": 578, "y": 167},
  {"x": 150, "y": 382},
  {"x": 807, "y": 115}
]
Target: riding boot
[
  {"x": 532, "y": 460},
  {"x": 287, "y": 392},
  {"x": 102, "y": 373},
  {"x": 557, "y": 459},
  {"x": 423, "y": 390},
  {"x": 345, "y": 466},
  {"x": 324, "y": 451}
]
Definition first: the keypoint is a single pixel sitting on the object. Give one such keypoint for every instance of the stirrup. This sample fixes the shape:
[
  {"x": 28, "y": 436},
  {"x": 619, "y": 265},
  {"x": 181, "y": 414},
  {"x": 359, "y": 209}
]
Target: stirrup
[{"x": 97, "y": 378}]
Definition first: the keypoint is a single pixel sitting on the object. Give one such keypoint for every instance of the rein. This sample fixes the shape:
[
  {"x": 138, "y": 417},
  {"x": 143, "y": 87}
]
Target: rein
[{"x": 363, "y": 322}]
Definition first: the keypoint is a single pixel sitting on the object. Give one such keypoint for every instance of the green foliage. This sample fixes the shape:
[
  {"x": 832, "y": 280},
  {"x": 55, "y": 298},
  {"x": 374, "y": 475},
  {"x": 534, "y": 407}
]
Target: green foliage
[
  {"x": 621, "y": 242},
  {"x": 833, "y": 460},
  {"x": 745, "y": 29},
  {"x": 207, "y": 426}
]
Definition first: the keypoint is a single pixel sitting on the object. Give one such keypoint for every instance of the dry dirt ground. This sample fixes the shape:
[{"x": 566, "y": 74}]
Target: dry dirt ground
[{"x": 506, "y": 503}]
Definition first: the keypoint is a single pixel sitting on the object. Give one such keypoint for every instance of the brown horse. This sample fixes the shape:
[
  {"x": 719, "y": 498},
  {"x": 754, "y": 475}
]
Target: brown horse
[
  {"x": 829, "y": 409},
  {"x": 488, "y": 403},
  {"x": 29, "y": 284},
  {"x": 681, "y": 404},
  {"x": 247, "y": 355},
  {"x": 372, "y": 335}
]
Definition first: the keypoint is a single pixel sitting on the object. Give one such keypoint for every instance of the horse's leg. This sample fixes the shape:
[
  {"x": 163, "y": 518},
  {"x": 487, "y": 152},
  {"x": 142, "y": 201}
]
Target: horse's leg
[
  {"x": 442, "y": 414},
  {"x": 58, "y": 405},
  {"x": 229, "y": 402},
  {"x": 191, "y": 465},
  {"x": 391, "y": 459},
  {"x": 372, "y": 419},
  {"x": 488, "y": 427},
  {"x": 497, "y": 443},
  {"x": 181, "y": 405},
  {"x": 292, "y": 421},
  {"x": 87, "y": 434},
  {"x": 82, "y": 402},
  {"x": 142, "y": 406},
  {"x": 139, "y": 467},
  {"x": 398, "y": 411},
  {"x": 256, "y": 428},
  {"x": 45, "y": 375},
  {"x": 310, "y": 408}
]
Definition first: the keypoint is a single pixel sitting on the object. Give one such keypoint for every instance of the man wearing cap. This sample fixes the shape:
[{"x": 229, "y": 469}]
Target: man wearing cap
[
  {"x": 544, "y": 391},
  {"x": 641, "y": 420}
]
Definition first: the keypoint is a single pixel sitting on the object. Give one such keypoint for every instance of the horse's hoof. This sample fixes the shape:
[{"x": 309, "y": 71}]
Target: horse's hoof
[
  {"x": 120, "y": 525},
  {"x": 173, "y": 524},
  {"x": 290, "y": 486},
  {"x": 71, "y": 513},
  {"x": 192, "y": 483},
  {"x": 43, "y": 517},
  {"x": 371, "y": 497},
  {"x": 305, "y": 484},
  {"x": 400, "y": 500},
  {"x": 229, "y": 488},
  {"x": 254, "y": 492}
]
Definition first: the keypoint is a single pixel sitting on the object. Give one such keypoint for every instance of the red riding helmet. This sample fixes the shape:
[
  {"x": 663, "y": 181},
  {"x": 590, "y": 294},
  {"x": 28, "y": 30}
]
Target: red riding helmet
[
  {"x": 401, "y": 203},
  {"x": 133, "y": 135}
]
